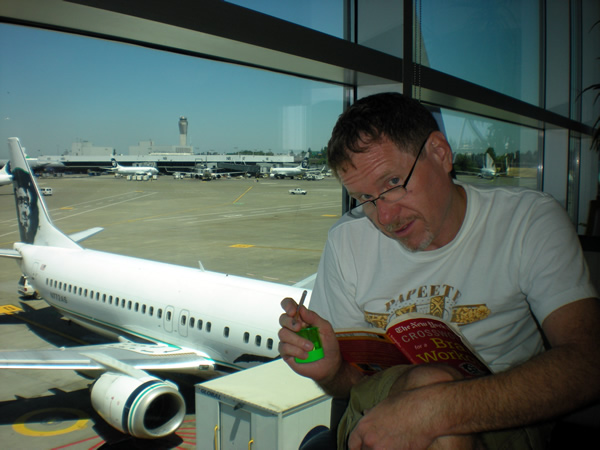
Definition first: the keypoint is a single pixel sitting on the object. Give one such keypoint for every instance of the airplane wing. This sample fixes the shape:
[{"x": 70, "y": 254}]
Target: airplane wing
[
  {"x": 151, "y": 357},
  {"x": 8, "y": 253},
  {"x": 83, "y": 235}
]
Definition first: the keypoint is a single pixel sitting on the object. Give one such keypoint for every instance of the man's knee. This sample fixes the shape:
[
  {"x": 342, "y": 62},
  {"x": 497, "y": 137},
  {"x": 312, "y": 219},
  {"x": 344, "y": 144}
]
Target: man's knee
[{"x": 425, "y": 374}]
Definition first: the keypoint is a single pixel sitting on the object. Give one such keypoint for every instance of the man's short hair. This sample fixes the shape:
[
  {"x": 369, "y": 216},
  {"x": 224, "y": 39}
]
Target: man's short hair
[{"x": 403, "y": 120}]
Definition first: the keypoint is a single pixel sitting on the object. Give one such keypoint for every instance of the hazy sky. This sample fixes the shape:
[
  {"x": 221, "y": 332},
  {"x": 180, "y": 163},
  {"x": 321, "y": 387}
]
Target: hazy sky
[{"x": 58, "y": 89}]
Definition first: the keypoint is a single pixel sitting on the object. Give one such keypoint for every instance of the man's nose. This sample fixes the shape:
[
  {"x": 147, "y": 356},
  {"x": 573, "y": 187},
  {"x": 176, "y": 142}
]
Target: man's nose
[{"x": 386, "y": 212}]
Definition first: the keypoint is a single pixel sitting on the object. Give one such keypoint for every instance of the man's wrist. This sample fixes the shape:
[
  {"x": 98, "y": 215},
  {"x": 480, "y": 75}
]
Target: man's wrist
[{"x": 339, "y": 383}]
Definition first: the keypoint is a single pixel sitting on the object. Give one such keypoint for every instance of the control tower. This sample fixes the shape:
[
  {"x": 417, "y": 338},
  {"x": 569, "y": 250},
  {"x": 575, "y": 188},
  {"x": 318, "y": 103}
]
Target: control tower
[{"x": 183, "y": 125}]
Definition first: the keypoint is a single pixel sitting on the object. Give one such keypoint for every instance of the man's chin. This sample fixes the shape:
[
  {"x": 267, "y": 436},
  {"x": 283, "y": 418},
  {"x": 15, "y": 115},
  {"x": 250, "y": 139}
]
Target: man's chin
[{"x": 414, "y": 246}]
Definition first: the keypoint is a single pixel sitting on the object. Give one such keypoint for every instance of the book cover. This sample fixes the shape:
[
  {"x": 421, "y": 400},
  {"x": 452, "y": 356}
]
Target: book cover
[{"x": 410, "y": 339}]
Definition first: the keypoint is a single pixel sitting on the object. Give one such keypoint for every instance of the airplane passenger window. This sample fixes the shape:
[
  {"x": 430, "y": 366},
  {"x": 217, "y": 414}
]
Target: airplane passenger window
[
  {"x": 270, "y": 344},
  {"x": 246, "y": 337},
  {"x": 257, "y": 340},
  {"x": 226, "y": 332}
]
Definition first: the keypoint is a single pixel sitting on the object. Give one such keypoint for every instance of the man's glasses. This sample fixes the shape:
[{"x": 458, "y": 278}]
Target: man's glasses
[{"x": 395, "y": 193}]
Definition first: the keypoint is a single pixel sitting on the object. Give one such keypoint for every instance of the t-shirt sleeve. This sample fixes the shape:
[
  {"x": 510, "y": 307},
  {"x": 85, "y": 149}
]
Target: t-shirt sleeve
[
  {"x": 553, "y": 269},
  {"x": 333, "y": 296}
]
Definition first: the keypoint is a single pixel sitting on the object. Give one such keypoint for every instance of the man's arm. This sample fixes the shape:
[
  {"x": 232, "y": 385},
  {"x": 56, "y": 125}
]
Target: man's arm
[{"x": 554, "y": 383}]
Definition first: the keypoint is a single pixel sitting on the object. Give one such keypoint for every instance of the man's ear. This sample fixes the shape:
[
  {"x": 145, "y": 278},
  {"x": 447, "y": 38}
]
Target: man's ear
[{"x": 439, "y": 148}]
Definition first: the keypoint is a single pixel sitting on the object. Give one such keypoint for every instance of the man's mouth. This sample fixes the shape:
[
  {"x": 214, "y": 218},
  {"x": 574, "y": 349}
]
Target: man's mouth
[{"x": 400, "y": 230}]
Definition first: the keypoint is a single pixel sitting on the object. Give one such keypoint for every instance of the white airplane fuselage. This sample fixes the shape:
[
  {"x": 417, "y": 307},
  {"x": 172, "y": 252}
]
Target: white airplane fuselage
[
  {"x": 282, "y": 172},
  {"x": 133, "y": 170},
  {"x": 124, "y": 296}
]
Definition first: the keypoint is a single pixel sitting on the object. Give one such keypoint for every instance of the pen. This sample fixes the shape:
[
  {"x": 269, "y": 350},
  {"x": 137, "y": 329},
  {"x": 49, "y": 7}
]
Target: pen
[{"x": 297, "y": 315}]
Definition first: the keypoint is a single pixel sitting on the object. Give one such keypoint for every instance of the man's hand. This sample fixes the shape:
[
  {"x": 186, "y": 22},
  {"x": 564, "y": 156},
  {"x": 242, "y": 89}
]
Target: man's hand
[
  {"x": 391, "y": 424},
  {"x": 414, "y": 413},
  {"x": 293, "y": 346},
  {"x": 401, "y": 421}
]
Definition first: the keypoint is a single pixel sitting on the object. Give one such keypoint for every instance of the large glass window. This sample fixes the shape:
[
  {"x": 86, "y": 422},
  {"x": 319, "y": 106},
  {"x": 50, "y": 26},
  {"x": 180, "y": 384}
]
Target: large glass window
[
  {"x": 325, "y": 16},
  {"x": 491, "y": 43},
  {"x": 489, "y": 151},
  {"x": 73, "y": 98},
  {"x": 379, "y": 25}
]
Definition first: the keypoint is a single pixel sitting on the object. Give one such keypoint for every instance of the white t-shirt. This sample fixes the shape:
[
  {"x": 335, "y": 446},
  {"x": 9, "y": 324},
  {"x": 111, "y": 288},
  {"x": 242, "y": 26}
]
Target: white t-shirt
[{"x": 516, "y": 254}]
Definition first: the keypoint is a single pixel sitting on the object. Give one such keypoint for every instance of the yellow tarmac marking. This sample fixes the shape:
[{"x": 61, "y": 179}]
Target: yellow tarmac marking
[
  {"x": 235, "y": 201},
  {"x": 49, "y": 422},
  {"x": 10, "y": 309},
  {"x": 275, "y": 248}
]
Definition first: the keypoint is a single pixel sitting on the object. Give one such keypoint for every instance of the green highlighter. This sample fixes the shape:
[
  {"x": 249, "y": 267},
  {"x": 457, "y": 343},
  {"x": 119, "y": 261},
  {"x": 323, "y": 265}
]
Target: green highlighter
[{"x": 312, "y": 334}]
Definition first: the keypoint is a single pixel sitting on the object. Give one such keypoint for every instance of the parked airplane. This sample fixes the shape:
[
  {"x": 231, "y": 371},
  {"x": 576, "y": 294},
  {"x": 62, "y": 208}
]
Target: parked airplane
[
  {"x": 491, "y": 171},
  {"x": 5, "y": 175},
  {"x": 291, "y": 172},
  {"x": 163, "y": 317},
  {"x": 489, "y": 168},
  {"x": 133, "y": 170}
]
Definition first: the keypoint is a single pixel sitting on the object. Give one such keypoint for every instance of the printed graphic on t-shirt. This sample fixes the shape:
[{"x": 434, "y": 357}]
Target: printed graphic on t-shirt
[{"x": 437, "y": 300}]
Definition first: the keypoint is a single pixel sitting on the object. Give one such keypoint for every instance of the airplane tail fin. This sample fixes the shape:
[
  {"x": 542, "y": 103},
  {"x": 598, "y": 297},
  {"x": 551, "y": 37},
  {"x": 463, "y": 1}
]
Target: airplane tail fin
[
  {"x": 305, "y": 161},
  {"x": 489, "y": 162},
  {"x": 35, "y": 225}
]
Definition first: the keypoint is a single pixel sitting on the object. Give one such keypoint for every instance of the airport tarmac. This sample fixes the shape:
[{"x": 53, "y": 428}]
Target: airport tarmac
[{"x": 244, "y": 227}]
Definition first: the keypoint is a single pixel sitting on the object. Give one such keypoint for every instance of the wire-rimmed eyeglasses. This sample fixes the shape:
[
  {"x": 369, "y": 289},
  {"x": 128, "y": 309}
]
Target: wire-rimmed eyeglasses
[{"x": 395, "y": 193}]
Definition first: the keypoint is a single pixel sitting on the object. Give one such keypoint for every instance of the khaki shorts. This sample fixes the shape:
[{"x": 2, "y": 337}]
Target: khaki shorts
[{"x": 371, "y": 390}]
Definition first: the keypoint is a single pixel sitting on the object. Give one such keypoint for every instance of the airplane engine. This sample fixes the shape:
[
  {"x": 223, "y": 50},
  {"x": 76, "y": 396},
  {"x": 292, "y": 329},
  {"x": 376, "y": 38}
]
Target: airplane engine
[{"x": 146, "y": 408}]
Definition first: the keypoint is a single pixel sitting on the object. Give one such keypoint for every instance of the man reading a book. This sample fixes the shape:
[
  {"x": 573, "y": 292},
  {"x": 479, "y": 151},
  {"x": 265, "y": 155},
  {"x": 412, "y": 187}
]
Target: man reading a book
[{"x": 503, "y": 264}]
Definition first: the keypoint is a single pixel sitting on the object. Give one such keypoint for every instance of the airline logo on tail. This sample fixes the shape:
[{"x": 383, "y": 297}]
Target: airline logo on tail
[
  {"x": 28, "y": 206},
  {"x": 35, "y": 225},
  {"x": 305, "y": 162}
]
